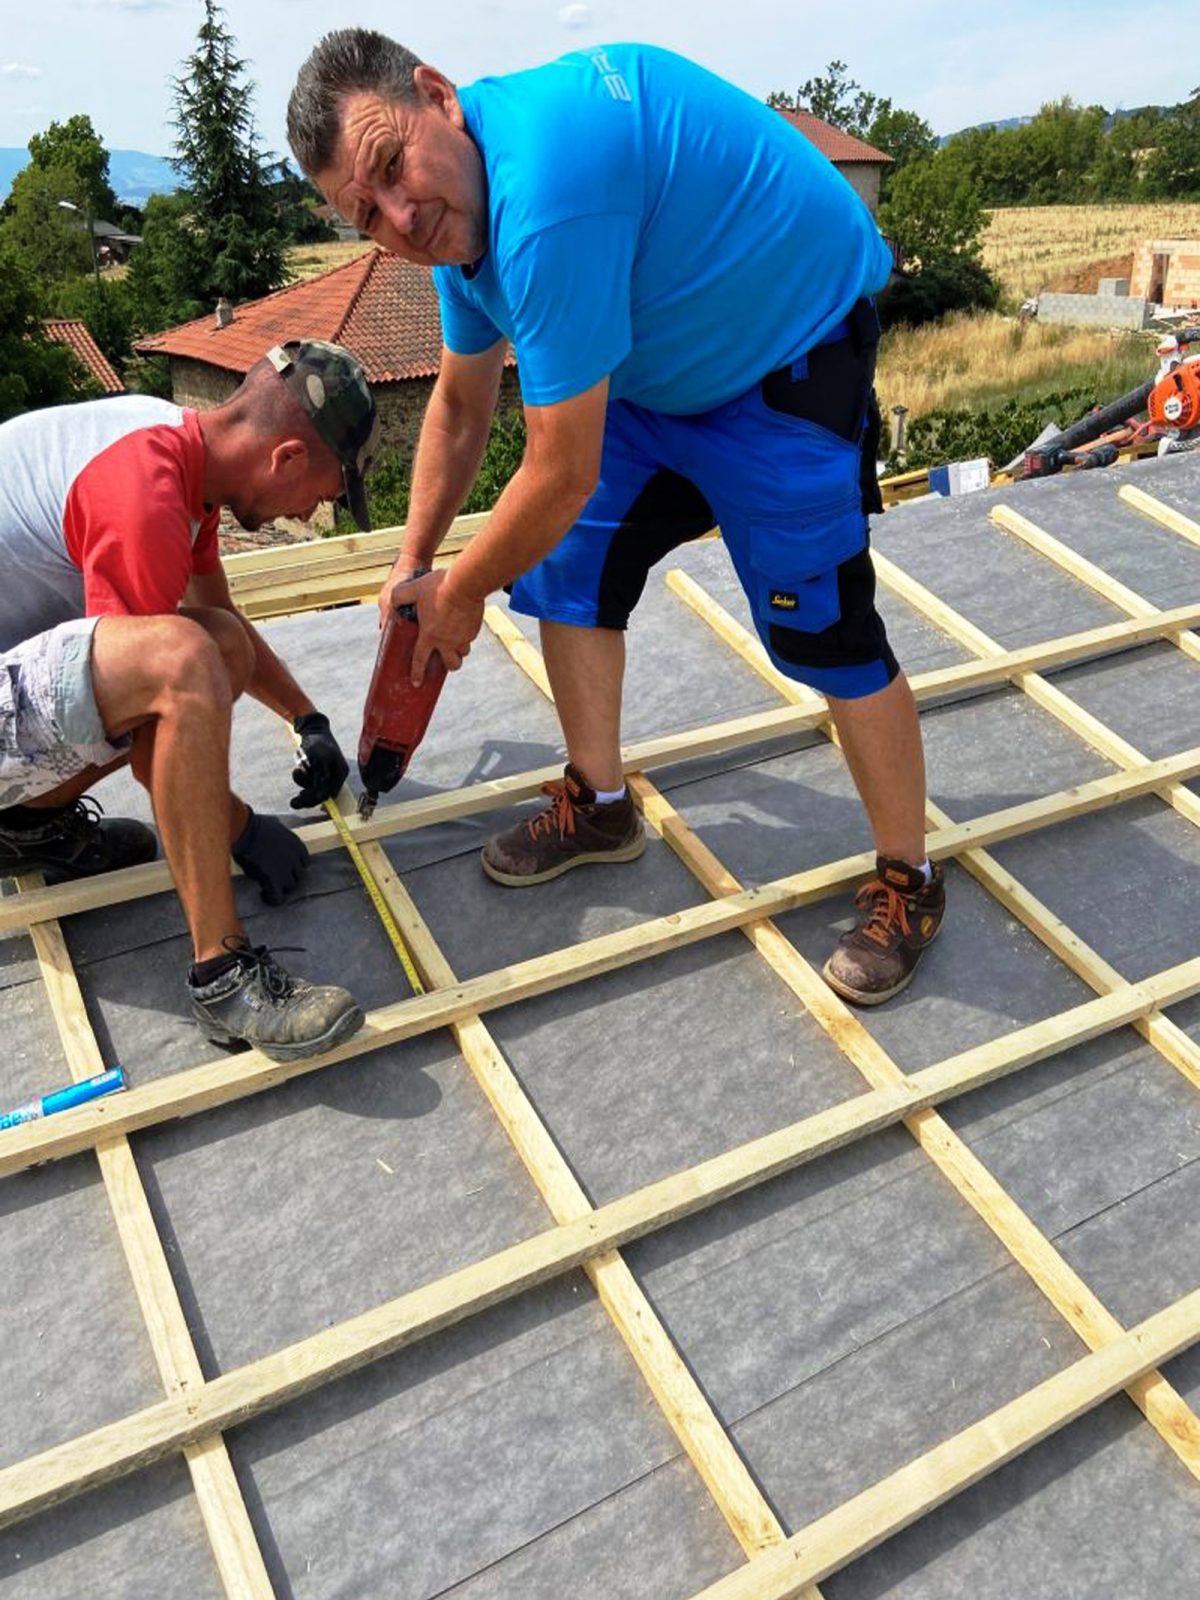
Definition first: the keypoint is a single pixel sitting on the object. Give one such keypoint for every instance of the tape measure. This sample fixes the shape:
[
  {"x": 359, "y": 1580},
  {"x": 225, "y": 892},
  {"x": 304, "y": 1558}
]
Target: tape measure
[{"x": 377, "y": 900}]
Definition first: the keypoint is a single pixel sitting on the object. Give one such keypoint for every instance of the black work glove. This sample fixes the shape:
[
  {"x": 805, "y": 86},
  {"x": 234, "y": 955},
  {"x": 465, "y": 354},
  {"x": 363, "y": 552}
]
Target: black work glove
[
  {"x": 321, "y": 768},
  {"x": 271, "y": 855}
]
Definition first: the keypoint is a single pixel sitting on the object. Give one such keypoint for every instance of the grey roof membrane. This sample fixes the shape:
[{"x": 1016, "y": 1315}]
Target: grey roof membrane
[{"x": 841, "y": 1319}]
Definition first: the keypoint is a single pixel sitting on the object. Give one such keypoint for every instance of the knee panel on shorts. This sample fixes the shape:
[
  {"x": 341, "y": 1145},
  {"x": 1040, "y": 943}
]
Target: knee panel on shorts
[{"x": 856, "y": 638}]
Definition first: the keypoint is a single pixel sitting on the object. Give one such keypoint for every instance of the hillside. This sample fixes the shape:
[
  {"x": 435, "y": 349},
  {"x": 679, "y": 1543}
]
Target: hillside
[{"x": 134, "y": 174}]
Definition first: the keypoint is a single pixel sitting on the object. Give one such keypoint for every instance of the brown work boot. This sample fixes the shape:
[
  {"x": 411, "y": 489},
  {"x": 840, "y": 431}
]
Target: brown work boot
[
  {"x": 573, "y": 829},
  {"x": 902, "y": 915}
]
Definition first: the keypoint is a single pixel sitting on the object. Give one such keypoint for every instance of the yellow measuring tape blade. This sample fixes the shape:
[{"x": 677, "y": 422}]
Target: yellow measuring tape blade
[{"x": 377, "y": 900}]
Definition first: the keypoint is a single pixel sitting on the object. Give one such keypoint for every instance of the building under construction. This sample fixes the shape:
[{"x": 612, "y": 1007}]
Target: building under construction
[{"x": 615, "y": 1256}]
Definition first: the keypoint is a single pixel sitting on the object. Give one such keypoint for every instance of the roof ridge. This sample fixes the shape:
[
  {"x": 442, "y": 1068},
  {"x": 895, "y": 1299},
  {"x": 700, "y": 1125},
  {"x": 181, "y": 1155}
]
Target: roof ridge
[{"x": 205, "y": 317}]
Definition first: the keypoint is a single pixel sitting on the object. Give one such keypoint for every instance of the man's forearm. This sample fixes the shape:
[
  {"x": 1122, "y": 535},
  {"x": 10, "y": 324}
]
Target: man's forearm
[
  {"x": 271, "y": 682},
  {"x": 532, "y": 514},
  {"x": 450, "y": 451}
]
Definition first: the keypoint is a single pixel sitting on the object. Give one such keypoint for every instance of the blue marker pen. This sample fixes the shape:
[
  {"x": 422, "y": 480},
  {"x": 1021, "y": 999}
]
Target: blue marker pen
[{"x": 76, "y": 1094}]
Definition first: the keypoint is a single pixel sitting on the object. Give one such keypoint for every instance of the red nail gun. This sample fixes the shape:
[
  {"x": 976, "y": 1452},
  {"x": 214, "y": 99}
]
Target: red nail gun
[{"x": 397, "y": 713}]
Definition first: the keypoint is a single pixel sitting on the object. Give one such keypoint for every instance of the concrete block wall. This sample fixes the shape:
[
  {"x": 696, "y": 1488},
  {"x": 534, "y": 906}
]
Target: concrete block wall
[{"x": 1095, "y": 310}]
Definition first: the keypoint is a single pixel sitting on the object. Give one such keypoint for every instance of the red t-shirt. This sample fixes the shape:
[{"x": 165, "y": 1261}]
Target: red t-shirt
[
  {"x": 101, "y": 512},
  {"x": 135, "y": 521}
]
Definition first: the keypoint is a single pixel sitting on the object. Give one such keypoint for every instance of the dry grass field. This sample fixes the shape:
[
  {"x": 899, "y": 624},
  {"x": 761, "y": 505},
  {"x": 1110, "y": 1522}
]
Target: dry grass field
[
  {"x": 1030, "y": 247},
  {"x": 307, "y": 260},
  {"x": 970, "y": 360},
  {"x": 980, "y": 359}
]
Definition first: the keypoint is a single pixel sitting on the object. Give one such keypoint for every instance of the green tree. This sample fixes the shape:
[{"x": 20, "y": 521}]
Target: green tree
[
  {"x": 1173, "y": 171},
  {"x": 836, "y": 98},
  {"x": 237, "y": 247},
  {"x": 934, "y": 218},
  {"x": 33, "y": 372},
  {"x": 935, "y": 210},
  {"x": 164, "y": 269},
  {"x": 903, "y": 135},
  {"x": 106, "y": 307},
  {"x": 75, "y": 147},
  {"x": 295, "y": 202},
  {"x": 51, "y": 239}
]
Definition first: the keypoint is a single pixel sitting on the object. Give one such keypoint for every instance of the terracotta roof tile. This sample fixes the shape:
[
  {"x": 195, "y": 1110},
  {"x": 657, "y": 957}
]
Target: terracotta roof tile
[
  {"x": 841, "y": 148},
  {"x": 382, "y": 308},
  {"x": 76, "y": 337}
]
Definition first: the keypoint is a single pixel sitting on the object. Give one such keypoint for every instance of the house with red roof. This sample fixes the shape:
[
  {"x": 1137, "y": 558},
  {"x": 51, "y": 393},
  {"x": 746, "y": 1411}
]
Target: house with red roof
[
  {"x": 859, "y": 163},
  {"x": 78, "y": 339},
  {"x": 383, "y": 309}
]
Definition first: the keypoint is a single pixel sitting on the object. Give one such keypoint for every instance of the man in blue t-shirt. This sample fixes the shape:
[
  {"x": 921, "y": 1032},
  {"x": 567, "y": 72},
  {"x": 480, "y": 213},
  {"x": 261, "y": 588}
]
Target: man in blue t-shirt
[{"x": 687, "y": 284}]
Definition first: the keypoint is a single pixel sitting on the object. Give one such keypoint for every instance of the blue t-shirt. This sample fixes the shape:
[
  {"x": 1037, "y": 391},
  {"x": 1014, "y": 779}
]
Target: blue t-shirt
[{"x": 650, "y": 222}]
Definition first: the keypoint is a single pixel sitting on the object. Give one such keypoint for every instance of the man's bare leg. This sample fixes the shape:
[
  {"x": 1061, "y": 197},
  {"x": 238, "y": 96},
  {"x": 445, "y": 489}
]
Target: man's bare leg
[
  {"x": 881, "y": 739},
  {"x": 166, "y": 680},
  {"x": 586, "y": 667}
]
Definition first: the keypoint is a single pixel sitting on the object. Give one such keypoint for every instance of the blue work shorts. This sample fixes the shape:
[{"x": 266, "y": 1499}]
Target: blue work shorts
[{"x": 787, "y": 470}]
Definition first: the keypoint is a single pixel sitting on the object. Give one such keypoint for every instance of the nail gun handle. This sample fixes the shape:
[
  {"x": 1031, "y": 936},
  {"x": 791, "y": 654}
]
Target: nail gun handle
[{"x": 409, "y": 612}]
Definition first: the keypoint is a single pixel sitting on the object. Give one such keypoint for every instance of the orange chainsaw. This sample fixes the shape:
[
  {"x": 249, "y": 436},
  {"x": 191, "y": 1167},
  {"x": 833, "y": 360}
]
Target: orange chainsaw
[{"x": 1171, "y": 400}]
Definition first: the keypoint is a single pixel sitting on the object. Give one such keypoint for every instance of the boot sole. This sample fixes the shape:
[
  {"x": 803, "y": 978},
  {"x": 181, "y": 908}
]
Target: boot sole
[
  {"x": 512, "y": 880},
  {"x": 340, "y": 1031},
  {"x": 872, "y": 997}
]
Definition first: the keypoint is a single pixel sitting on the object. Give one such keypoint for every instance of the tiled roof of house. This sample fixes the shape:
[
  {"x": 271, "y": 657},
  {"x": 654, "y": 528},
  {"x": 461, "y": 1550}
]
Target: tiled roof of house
[
  {"x": 842, "y": 148},
  {"x": 382, "y": 308},
  {"x": 76, "y": 337}
]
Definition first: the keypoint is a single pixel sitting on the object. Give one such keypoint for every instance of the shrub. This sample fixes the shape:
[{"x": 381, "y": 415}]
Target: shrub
[
  {"x": 949, "y": 283},
  {"x": 390, "y": 483},
  {"x": 999, "y": 433}
]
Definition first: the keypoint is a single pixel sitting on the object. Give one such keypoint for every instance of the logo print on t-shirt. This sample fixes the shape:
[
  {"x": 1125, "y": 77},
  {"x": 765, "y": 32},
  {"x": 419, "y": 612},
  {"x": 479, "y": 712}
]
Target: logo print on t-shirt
[{"x": 613, "y": 81}]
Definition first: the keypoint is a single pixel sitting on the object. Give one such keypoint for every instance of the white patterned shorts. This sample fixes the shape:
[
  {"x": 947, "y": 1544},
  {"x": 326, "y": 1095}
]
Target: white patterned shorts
[{"x": 50, "y": 726}]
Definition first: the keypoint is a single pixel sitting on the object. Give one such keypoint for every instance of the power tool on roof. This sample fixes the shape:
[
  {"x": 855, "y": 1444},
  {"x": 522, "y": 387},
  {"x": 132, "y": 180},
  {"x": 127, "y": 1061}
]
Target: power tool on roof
[
  {"x": 1171, "y": 400},
  {"x": 397, "y": 712}
]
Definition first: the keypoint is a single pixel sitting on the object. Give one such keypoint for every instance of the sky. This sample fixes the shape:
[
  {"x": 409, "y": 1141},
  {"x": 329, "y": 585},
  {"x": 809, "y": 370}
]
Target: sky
[{"x": 952, "y": 63}]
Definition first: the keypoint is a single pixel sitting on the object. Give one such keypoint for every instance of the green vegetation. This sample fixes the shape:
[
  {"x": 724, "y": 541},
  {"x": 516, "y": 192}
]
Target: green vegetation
[
  {"x": 390, "y": 483},
  {"x": 840, "y": 101},
  {"x": 999, "y": 433},
  {"x": 933, "y": 215},
  {"x": 33, "y": 372},
  {"x": 225, "y": 232}
]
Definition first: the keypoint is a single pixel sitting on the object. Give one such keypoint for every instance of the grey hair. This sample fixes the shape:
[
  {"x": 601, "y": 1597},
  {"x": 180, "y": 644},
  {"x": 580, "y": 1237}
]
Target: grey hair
[{"x": 345, "y": 61}]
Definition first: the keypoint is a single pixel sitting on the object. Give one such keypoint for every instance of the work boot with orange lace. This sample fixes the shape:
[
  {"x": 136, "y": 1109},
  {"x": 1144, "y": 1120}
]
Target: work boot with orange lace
[
  {"x": 901, "y": 915},
  {"x": 575, "y": 828}
]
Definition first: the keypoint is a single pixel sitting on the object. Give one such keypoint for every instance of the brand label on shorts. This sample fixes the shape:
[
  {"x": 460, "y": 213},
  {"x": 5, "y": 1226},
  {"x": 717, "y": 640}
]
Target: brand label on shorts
[{"x": 784, "y": 600}]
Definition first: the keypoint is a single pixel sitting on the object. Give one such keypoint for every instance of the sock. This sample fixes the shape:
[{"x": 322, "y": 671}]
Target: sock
[
  {"x": 22, "y": 817},
  {"x": 927, "y": 869},
  {"x": 203, "y": 972},
  {"x": 605, "y": 797}
]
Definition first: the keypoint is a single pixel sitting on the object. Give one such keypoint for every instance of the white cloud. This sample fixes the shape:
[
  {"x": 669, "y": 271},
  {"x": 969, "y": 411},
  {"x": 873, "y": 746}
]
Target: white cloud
[
  {"x": 19, "y": 69},
  {"x": 576, "y": 15},
  {"x": 128, "y": 5}
]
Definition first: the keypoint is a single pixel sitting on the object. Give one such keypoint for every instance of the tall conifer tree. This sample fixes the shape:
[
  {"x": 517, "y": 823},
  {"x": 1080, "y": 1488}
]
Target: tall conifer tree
[{"x": 235, "y": 247}]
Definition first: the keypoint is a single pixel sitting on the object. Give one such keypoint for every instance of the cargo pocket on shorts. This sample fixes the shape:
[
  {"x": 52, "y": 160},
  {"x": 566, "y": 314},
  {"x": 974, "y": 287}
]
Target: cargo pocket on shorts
[{"x": 796, "y": 585}]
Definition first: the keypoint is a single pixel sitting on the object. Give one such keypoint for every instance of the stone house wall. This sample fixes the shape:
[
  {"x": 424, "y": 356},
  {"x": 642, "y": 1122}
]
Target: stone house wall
[
  {"x": 401, "y": 404},
  {"x": 863, "y": 177}
]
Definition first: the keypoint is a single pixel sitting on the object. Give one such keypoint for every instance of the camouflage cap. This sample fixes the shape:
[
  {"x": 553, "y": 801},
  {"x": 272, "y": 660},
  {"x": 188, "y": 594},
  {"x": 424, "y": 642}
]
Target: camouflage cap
[{"x": 332, "y": 389}]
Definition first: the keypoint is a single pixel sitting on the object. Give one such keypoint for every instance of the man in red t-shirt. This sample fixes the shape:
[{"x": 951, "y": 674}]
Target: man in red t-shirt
[{"x": 120, "y": 643}]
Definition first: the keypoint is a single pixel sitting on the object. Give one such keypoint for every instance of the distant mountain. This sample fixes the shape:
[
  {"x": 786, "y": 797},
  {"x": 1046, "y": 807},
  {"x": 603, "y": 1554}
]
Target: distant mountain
[
  {"x": 1002, "y": 126},
  {"x": 1019, "y": 122},
  {"x": 133, "y": 174}
]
